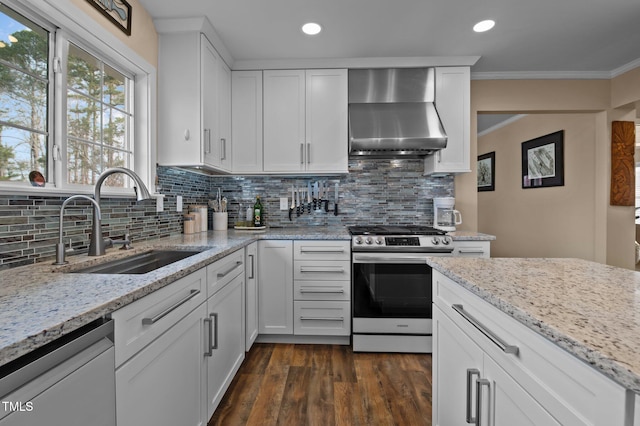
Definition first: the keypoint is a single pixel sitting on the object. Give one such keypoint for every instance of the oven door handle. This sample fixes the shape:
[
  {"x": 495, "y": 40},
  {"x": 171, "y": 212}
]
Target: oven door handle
[{"x": 358, "y": 258}]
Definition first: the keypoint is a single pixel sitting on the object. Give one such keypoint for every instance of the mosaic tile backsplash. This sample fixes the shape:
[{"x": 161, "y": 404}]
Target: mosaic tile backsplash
[{"x": 374, "y": 192}]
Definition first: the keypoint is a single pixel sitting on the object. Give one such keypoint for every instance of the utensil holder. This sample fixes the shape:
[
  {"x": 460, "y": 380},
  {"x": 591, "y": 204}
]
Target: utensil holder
[{"x": 220, "y": 220}]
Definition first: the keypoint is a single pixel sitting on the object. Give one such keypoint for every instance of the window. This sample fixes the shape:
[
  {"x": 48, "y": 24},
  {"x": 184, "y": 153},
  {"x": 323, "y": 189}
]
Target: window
[
  {"x": 24, "y": 97},
  {"x": 69, "y": 98}
]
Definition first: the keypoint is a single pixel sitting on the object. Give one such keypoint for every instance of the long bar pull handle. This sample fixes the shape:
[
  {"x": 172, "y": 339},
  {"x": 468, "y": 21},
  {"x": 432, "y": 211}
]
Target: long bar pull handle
[
  {"x": 209, "y": 351},
  {"x": 253, "y": 264},
  {"x": 322, "y": 249},
  {"x": 214, "y": 316},
  {"x": 327, "y": 291},
  {"x": 321, "y": 270},
  {"x": 223, "y": 147},
  {"x": 470, "y": 373},
  {"x": 228, "y": 271},
  {"x": 207, "y": 136},
  {"x": 471, "y": 251},
  {"x": 479, "y": 384},
  {"x": 506, "y": 348},
  {"x": 308, "y": 153},
  {"x": 301, "y": 153},
  {"x": 322, "y": 318},
  {"x": 148, "y": 321}
]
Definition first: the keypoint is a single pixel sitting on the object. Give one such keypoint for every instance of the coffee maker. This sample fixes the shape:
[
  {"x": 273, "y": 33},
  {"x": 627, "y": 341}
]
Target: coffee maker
[{"x": 445, "y": 217}]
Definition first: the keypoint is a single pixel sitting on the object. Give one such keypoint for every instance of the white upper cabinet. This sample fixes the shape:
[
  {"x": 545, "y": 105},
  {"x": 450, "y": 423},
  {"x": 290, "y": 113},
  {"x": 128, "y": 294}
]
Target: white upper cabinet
[
  {"x": 305, "y": 121},
  {"x": 453, "y": 105},
  {"x": 246, "y": 118},
  {"x": 194, "y": 103}
]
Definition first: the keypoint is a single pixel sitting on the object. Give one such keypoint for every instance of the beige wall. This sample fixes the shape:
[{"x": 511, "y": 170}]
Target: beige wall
[
  {"x": 613, "y": 229},
  {"x": 143, "y": 39},
  {"x": 541, "y": 222}
]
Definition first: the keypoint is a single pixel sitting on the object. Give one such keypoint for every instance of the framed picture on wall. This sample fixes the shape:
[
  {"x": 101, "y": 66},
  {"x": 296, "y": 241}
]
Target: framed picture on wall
[
  {"x": 487, "y": 172},
  {"x": 543, "y": 161}
]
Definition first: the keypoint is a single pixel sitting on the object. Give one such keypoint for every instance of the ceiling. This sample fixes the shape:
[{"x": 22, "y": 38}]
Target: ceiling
[{"x": 567, "y": 38}]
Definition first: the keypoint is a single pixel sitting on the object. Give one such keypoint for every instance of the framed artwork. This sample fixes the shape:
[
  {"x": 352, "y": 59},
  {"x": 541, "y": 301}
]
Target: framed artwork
[
  {"x": 116, "y": 11},
  {"x": 543, "y": 161},
  {"x": 487, "y": 172}
]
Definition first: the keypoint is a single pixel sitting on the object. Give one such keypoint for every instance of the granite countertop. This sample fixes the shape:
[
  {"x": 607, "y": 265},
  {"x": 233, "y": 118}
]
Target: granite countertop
[
  {"x": 470, "y": 236},
  {"x": 589, "y": 309},
  {"x": 42, "y": 302}
]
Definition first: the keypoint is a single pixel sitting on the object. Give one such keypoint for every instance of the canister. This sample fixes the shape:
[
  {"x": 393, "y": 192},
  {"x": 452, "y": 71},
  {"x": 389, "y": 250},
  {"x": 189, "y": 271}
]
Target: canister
[{"x": 189, "y": 222}]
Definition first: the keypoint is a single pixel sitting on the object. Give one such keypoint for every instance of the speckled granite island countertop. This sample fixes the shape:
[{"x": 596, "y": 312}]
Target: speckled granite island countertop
[
  {"x": 41, "y": 302},
  {"x": 589, "y": 309}
]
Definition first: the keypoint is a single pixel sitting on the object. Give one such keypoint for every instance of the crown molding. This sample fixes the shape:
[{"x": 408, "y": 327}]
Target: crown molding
[
  {"x": 542, "y": 75},
  {"x": 386, "y": 62}
]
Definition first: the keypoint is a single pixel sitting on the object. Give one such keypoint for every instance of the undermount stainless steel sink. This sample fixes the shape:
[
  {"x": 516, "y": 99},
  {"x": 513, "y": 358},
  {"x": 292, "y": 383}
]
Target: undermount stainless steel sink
[{"x": 138, "y": 264}]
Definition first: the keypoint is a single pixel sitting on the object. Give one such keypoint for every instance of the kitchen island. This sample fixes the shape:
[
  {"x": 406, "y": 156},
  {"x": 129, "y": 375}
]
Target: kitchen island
[{"x": 536, "y": 306}]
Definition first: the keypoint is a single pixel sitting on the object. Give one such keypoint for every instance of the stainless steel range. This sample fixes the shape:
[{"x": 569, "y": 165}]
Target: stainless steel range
[{"x": 392, "y": 288}]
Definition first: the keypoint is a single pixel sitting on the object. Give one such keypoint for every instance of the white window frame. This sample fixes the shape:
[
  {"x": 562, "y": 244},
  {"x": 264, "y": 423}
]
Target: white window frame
[{"x": 75, "y": 25}]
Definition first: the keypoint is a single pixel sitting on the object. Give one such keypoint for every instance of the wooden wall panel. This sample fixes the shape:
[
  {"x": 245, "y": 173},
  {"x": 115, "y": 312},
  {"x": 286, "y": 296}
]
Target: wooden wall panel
[{"x": 622, "y": 163}]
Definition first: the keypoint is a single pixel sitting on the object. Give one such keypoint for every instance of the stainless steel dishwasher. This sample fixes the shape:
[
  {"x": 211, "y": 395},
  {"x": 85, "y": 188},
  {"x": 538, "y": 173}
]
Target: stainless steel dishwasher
[{"x": 69, "y": 382}]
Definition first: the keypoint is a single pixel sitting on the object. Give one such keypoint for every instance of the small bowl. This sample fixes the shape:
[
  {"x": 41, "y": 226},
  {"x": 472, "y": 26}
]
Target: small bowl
[{"x": 36, "y": 179}]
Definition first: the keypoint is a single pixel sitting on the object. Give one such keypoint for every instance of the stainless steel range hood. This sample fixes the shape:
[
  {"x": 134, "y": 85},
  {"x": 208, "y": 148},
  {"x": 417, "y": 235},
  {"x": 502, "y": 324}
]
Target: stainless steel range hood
[{"x": 392, "y": 113}]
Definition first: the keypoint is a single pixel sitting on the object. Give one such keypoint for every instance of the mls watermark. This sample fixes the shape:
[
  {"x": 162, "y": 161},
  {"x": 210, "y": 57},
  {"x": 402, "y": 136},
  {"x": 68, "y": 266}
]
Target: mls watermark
[{"x": 17, "y": 406}]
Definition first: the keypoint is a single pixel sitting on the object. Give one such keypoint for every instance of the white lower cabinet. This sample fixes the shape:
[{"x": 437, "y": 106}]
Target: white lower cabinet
[
  {"x": 251, "y": 295},
  {"x": 225, "y": 343},
  {"x": 162, "y": 385},
  {"x": 275, "y": 293},
  {"x": 488, "y": 366}
]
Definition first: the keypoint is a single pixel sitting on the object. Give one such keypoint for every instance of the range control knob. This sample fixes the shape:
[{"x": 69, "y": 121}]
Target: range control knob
[
  {"x": 369, "y": 240},
  {"x": 358, "y": 240},
  {"x": 446, "y": 241},
  {"x": 435, "y": 241},
  {"x": 379, "y": 241}
]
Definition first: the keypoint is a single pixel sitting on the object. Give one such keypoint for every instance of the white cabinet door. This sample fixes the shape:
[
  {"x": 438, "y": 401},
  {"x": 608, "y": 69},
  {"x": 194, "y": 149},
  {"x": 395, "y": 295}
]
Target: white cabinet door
[
  {"x": 210, "y": 125},
  {"x": 275, "y": 290},
  {"x": 454, "y": 355},
  {"x": 224, "y": 343},
  {"x": 163, "y": 384},
  {"x": 224, "y": 115},
  {"x": 284, "y": 120},
  {"x": 506, "y": 403},
  {"x": 246, "y": 118},
  {"x": 453, "y": 105},
  {"x": 326, "y": 121},
  {"x": 305, "y": 121},
  {"x": 251, "y": 294}
]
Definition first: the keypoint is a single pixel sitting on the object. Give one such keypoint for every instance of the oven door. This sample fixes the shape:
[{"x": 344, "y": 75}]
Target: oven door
[{"x": 391, "y": 285}]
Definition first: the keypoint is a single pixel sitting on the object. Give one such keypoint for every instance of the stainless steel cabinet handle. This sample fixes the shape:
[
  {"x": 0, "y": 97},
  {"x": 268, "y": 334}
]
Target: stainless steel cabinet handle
[
  {"x": 470, "y": 373},
  {"x": 209, "y": 351},
  {"x": 214, "y": 316},
  {"x": 301, "y": 153},
  {"x": 308, "y": 153},
  {"x": 508, "y": 349},
  {"x": 321, "y": 270},
  {"x": 321, "y": 318},
  {"x": 321, "y": 249},
  {"x": 326, "y": 291},
  {"x": 479, "y": 384},
  {"x": 148, "y": 321},
  {"x": 223, "y": 147},
  {"x": 471, "y": 251},
  {"x": 207, "y": 137},
  {"x": 253, "y": 260},
  {"x": 228, "y": 271}
]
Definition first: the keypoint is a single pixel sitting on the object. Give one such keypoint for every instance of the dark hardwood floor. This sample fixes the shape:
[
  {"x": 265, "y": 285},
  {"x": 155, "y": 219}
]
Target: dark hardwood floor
[{"x": 296, "y": 385}]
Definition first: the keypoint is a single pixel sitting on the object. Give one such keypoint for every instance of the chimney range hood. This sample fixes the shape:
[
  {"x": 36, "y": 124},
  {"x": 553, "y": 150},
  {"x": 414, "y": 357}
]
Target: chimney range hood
[{"x": 392, "y": 113}]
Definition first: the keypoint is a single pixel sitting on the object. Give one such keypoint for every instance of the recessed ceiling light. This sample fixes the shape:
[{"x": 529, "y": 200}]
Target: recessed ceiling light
[
  {"x": 483, "y": 26},
  {"x": 311, "y": 28}
]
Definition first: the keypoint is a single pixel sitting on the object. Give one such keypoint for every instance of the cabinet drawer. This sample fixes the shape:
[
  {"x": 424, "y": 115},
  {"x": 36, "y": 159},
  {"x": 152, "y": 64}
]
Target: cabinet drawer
[
  {"x": 221, "y": 272},
  {"x": 322, "y": 290},
  {"x": 139, "y": 323},
  {"x": 321, "y": 250},
  {"x": 322, "y": 318},
  {"x": 569, "y": 389},
  {"x": 322, "y": 270},
  {"x": 472, "y": 249}
]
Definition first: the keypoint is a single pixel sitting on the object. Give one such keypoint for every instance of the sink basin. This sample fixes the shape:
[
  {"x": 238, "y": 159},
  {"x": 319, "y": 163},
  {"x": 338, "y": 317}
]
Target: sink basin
[{"x": 138, "y": 264}]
